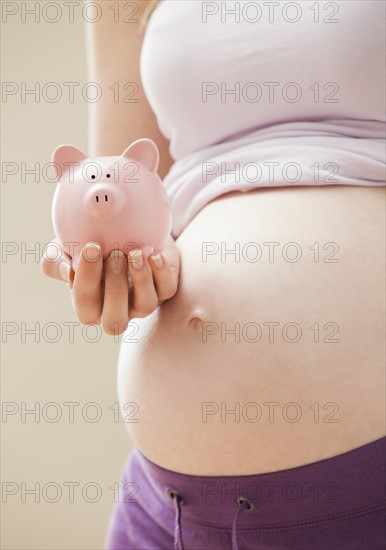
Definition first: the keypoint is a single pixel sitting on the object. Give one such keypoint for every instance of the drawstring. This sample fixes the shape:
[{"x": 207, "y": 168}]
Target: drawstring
[
  {"x": 178, "y": 502},
  {"x": 243, "y": 504}
]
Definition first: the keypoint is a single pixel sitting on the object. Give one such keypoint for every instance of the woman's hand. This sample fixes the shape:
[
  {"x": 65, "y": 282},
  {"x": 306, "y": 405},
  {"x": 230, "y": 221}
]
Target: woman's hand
[{"x": 113, "y": 292}]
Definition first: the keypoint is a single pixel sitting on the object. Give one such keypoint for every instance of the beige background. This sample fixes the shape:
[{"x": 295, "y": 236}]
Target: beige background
[{"x": 38, "y": 451}]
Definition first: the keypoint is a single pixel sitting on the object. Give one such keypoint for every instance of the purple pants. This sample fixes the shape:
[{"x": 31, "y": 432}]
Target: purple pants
[{"x": 334, "y": 504}]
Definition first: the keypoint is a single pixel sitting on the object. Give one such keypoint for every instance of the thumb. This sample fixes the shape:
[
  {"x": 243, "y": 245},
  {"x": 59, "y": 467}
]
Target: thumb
[{"x": 56, "y": 264}]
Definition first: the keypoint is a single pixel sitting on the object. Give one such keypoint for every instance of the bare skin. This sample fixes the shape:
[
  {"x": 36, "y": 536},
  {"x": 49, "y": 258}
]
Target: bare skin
[
  {"x": 175, "y": 378},
  {"x": 189, "y": 379},
  {"x": 99, "y": 293}
]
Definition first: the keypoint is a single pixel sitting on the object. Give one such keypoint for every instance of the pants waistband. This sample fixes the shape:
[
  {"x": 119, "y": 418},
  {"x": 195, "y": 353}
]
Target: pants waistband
[{"x": 345, "y": 486}]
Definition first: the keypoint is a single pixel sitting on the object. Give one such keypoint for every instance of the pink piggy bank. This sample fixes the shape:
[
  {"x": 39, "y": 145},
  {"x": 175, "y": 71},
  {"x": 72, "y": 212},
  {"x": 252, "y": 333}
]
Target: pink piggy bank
[{"x": 118, "y": 202}]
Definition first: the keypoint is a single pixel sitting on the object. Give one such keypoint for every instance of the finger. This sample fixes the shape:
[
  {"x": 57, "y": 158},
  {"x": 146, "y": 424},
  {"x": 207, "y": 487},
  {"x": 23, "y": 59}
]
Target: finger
[
  {"x": 145, "y": 299},
  {"x": 164, "y": 277},
  {"x": 87, "y": 288},
  {"x": 115, "y": 315},
  {"x": 56, "y": 264}
]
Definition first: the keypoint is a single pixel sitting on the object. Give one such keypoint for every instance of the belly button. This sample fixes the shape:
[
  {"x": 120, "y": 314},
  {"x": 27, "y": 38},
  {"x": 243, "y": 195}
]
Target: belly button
[{"x": 195, "y": 319}]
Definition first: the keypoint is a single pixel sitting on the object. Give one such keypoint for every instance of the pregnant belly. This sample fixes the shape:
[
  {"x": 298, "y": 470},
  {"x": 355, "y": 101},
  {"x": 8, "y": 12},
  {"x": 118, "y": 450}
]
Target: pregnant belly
[{"x": 270, "y": 356}]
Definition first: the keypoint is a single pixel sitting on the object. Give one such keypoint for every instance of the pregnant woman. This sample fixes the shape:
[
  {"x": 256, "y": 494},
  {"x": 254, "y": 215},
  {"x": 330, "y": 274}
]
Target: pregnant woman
[{"x": 254, "y": 353}]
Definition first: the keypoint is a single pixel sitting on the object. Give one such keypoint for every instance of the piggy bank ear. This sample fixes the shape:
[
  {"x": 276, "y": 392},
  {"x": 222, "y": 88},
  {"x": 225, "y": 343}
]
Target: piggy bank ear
[
  {"x": 63, "y": 156},
  {"x": 144, "y": 151}
]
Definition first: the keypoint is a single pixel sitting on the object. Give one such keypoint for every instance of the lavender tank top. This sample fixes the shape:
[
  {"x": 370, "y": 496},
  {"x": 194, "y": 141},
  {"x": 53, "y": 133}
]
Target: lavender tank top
[{"x": 266, "y": 94}]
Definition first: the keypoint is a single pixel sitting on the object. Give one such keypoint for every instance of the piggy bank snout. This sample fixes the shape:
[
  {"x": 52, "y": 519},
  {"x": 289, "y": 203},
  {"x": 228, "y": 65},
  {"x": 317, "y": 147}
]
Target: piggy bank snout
[{"x": 103, "y": 201}]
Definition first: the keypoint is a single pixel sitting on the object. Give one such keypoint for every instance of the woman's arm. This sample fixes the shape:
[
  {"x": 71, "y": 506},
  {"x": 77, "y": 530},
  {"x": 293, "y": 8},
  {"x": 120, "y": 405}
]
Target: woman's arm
[
  {"x": 100, "y": 290},
  {"x": 113, "y": 50}
]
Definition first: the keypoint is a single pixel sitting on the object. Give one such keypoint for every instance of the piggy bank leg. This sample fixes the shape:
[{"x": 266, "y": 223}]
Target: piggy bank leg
[{"x": 147, "y": 250}]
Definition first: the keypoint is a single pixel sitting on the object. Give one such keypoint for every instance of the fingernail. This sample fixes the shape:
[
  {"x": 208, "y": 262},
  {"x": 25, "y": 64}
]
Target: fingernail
[
  {"x": 64, "y": 270},
  {"x": 116, "y": 261},
  {"x": 157, "y": 259},
  {"x": 53, "y": 253},
  {"x": 92, "y": 251},
  {"x": 136, "y": 258}
]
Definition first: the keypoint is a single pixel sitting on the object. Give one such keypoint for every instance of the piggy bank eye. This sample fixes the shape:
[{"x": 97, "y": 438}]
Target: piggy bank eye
[
  {"x": 107, "y": 175},
  {"x": 93, "y": 177}
]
